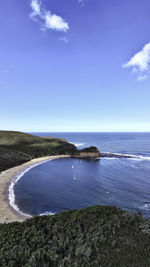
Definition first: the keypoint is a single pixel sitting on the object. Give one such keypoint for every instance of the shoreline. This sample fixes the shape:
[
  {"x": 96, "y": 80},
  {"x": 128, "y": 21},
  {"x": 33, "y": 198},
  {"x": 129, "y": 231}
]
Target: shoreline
[{"x": 7, "y": 212}]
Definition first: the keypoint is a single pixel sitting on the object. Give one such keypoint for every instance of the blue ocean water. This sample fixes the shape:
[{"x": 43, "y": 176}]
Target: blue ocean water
[{"x": 65, "y": 184}]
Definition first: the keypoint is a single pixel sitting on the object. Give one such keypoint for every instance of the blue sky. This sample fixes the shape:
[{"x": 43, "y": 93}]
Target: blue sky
[{"x": 70, "y": 65}]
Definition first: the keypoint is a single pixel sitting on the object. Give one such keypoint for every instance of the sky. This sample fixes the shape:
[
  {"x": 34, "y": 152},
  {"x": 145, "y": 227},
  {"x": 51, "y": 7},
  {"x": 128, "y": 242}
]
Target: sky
[{"x": 75, "y": 65}]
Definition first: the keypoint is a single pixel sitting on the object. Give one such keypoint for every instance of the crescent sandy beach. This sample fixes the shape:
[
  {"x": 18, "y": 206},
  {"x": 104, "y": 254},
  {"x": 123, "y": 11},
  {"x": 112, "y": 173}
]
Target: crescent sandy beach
[
  {"x": 7, "y": 213},
  {"x": 75, "y": 133}
]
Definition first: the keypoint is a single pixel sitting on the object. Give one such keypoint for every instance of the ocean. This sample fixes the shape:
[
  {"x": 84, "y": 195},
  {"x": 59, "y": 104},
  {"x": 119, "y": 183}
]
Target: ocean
[{"x": 66, "y": 184}]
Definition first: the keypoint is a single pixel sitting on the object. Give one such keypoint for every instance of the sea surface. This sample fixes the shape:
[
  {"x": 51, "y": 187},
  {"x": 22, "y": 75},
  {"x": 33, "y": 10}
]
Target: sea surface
[{"x": 65, "y": 184}]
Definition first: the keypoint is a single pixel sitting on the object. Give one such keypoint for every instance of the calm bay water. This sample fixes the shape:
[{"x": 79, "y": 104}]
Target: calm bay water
[{"x": 55, "y": 186}]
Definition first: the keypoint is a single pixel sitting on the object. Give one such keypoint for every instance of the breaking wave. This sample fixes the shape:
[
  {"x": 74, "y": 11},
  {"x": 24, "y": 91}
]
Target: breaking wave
[
  {"x": 128, "y": 156},
  {"x": 146, "y": 206},
  {"x": 15, "y": 179},
  {"x": 77, "y": 144},
  {"x": 47, "y": 213}
]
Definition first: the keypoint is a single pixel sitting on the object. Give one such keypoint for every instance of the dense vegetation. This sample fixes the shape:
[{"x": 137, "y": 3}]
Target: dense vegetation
[
  {"x": 18, "y": 147},
  {"x": 95, "y": 236},
  {"x": 10, "y": 158}
]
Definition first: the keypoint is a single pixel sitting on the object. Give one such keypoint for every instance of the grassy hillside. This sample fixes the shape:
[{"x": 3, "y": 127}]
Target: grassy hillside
[
  {"x": 16, "y": 138},
  {"x": 10, "y": 158},
  {"x": 18, "y": 147},
  {"x": 96, "y": 236}
]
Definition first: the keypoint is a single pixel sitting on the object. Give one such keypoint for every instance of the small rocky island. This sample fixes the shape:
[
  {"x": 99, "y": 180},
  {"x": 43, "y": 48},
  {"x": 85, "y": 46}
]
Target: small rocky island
[
  {"x": 94, "y": 236},
  {"x": 88, "y": 152},
  {"x": 17, "y": 148}
]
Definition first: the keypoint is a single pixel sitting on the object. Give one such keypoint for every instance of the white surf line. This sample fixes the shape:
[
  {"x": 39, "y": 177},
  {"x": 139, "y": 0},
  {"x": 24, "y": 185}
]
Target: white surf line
[
  {"x": 77, "y": 144},
  {"x": 128, "y": 156},
  {"x": 46, "y": 213},
  {"x": 15, "y": 179}
]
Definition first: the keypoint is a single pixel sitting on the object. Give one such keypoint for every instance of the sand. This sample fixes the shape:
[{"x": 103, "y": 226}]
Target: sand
[{"x": 7, "y": 213}]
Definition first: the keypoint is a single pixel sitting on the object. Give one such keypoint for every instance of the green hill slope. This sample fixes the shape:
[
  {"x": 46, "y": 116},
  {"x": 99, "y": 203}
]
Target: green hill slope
[
  {"x": 16, "y": 138},
  {"x": 96, "y": 236},
  {"x": 18, "y": 147}
]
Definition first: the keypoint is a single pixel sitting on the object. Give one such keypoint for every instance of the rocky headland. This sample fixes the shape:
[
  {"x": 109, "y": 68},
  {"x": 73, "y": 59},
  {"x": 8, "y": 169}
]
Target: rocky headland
[
  {"x": 95, "y": 236},
  {"x": 89, "y": 152},
  {"x": 17, "y": 148}
]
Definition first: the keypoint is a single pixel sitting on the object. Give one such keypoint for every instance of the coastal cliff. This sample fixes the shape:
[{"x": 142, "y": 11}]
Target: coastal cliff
[
  {"x": 94, "y": 236},
  {"x": 89, "y": 152},
  {"x": 17, "y": 148}
]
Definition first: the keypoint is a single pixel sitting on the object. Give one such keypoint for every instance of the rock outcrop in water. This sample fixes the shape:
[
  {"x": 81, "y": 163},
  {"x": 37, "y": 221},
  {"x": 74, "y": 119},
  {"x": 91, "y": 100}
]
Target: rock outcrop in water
[
  {"x": 89, "y": 152},
  {"x": 17, "y": 148},
  {"x": 116, "y": 155}
]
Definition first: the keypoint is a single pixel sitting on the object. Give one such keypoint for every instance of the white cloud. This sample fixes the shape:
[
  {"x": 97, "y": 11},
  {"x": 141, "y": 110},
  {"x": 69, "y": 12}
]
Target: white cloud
[
  {"x": 64, "y": 39},
  {"x": 142, "y": 78},
  {"x": 140, "y": 63},
  {"x": 55, "y": 22},
  {"x": 48, "y": 20},
  {"x": 81, "y": 2},
  {"x": 36, "y": 7}
]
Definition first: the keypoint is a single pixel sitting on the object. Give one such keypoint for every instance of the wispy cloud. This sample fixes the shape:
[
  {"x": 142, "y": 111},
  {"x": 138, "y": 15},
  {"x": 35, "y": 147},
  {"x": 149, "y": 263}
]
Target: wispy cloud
[
  {"x": 47, "y": 19},
  {"x": 140, "y": 63},
  {"x": 82, "y": 2},
  {"x": 36, "y": 8},
  {"x": 142, "y": 78},
  {"x": 64, "y": 39}
]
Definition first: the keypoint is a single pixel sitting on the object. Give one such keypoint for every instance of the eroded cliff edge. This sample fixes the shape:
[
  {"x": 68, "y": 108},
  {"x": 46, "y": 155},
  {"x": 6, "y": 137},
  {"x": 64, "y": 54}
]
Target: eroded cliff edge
[
  {"x": 17, "y": 148},
  {"x": 88, "y": 152}
]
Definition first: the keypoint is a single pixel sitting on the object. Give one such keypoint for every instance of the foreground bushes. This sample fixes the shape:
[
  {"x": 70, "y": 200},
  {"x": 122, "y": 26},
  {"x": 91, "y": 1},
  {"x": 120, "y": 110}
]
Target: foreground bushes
[{"x": 96, "y": 236}]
